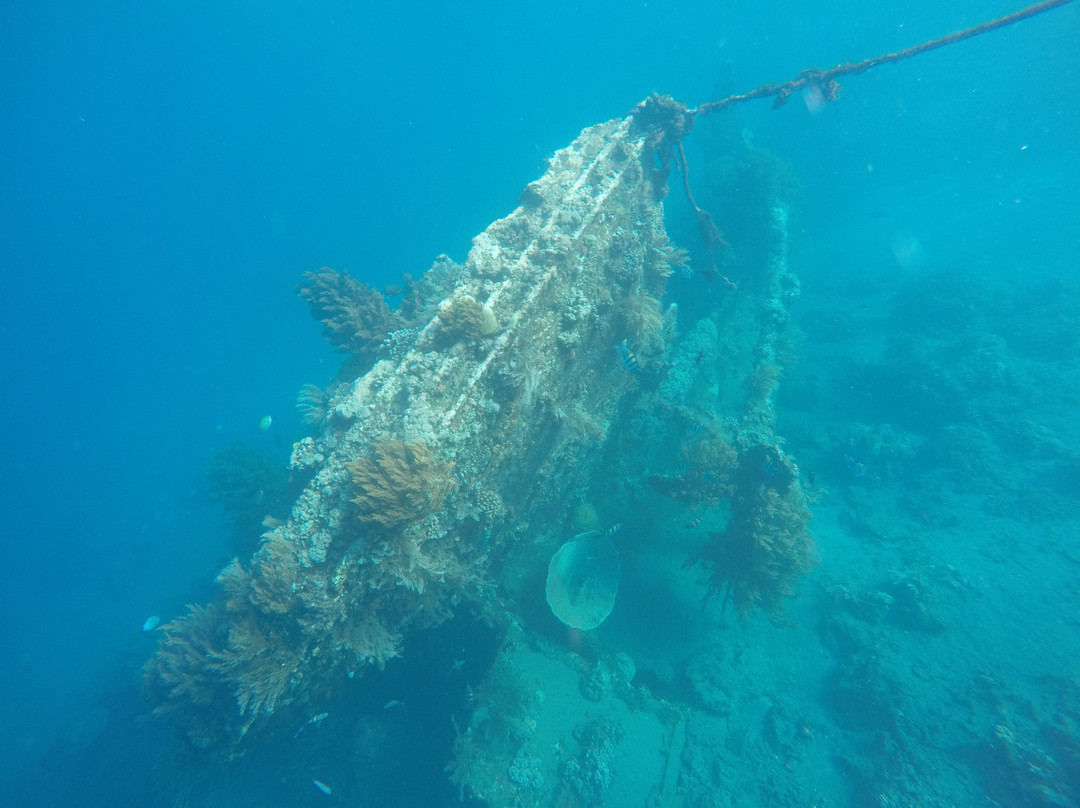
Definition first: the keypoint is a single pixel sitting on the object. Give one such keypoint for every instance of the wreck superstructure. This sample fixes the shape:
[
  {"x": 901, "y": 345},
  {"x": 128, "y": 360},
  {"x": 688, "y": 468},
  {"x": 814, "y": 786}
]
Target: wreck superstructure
[{"x": 446, "y": 472}]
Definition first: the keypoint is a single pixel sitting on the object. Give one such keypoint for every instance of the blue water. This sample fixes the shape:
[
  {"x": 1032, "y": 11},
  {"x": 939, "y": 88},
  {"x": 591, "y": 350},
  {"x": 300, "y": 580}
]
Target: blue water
[{"x": 171, "y": 169}]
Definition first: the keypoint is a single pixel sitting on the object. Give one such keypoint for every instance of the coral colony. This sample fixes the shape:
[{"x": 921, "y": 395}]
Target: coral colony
[{"x": 478, "y": 427}]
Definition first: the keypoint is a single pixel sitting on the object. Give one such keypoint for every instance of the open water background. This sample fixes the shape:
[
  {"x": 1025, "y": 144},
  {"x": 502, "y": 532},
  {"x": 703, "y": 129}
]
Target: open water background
[{"x": 170, "y": 170}]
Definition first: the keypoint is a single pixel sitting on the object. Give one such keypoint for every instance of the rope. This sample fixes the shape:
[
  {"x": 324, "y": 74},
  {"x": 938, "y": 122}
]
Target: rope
[
  {"x": 668, "y": 121},
  {"x": 826, "y": 79},
  {"x": 710, "y": 233}
]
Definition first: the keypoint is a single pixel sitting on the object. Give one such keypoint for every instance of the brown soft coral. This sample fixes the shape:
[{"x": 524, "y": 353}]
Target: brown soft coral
[
  {"x": 464, "y": 318},
  {"x": 228, "y": 659},
  {"x": 185, "y": 680},
  {"x": 401, "y": 484},
  {"x": 711, "y": 463},
  {"x": 766, "y": 547},
  {"x": 355, "y": 316}
]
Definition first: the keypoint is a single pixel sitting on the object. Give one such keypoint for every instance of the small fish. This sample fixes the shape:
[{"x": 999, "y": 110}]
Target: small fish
[
  {"x": 811, "y": 477},
  {"x": 151, "y": 623},
  {"x": 699, "y": 357},
  {"x": 323, "y": 787},
  {"x": 769, "y": 467},
  {"x": 682, "y": 467},
  {"x": 686, "y": 271},
  {"x": 856, "y": 467},
  {"x": 695, "y": 521},
  {"x": 615, "y": 528},
  {"x": 390, "y": 705},
  {"x": 315, "y": 720},
  {"x": 629, "y": 360},
  {"x": 264, "y": 423}
]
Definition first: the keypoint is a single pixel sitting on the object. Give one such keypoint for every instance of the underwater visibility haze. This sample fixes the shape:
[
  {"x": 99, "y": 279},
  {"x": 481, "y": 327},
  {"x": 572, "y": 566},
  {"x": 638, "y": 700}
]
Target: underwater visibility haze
[{"x": 415, "y": 404}]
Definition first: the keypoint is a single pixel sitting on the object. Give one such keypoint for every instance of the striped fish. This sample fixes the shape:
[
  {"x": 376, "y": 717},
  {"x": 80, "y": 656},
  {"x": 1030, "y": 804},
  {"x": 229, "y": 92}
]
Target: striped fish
[{"x": 629, "y": 360}]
